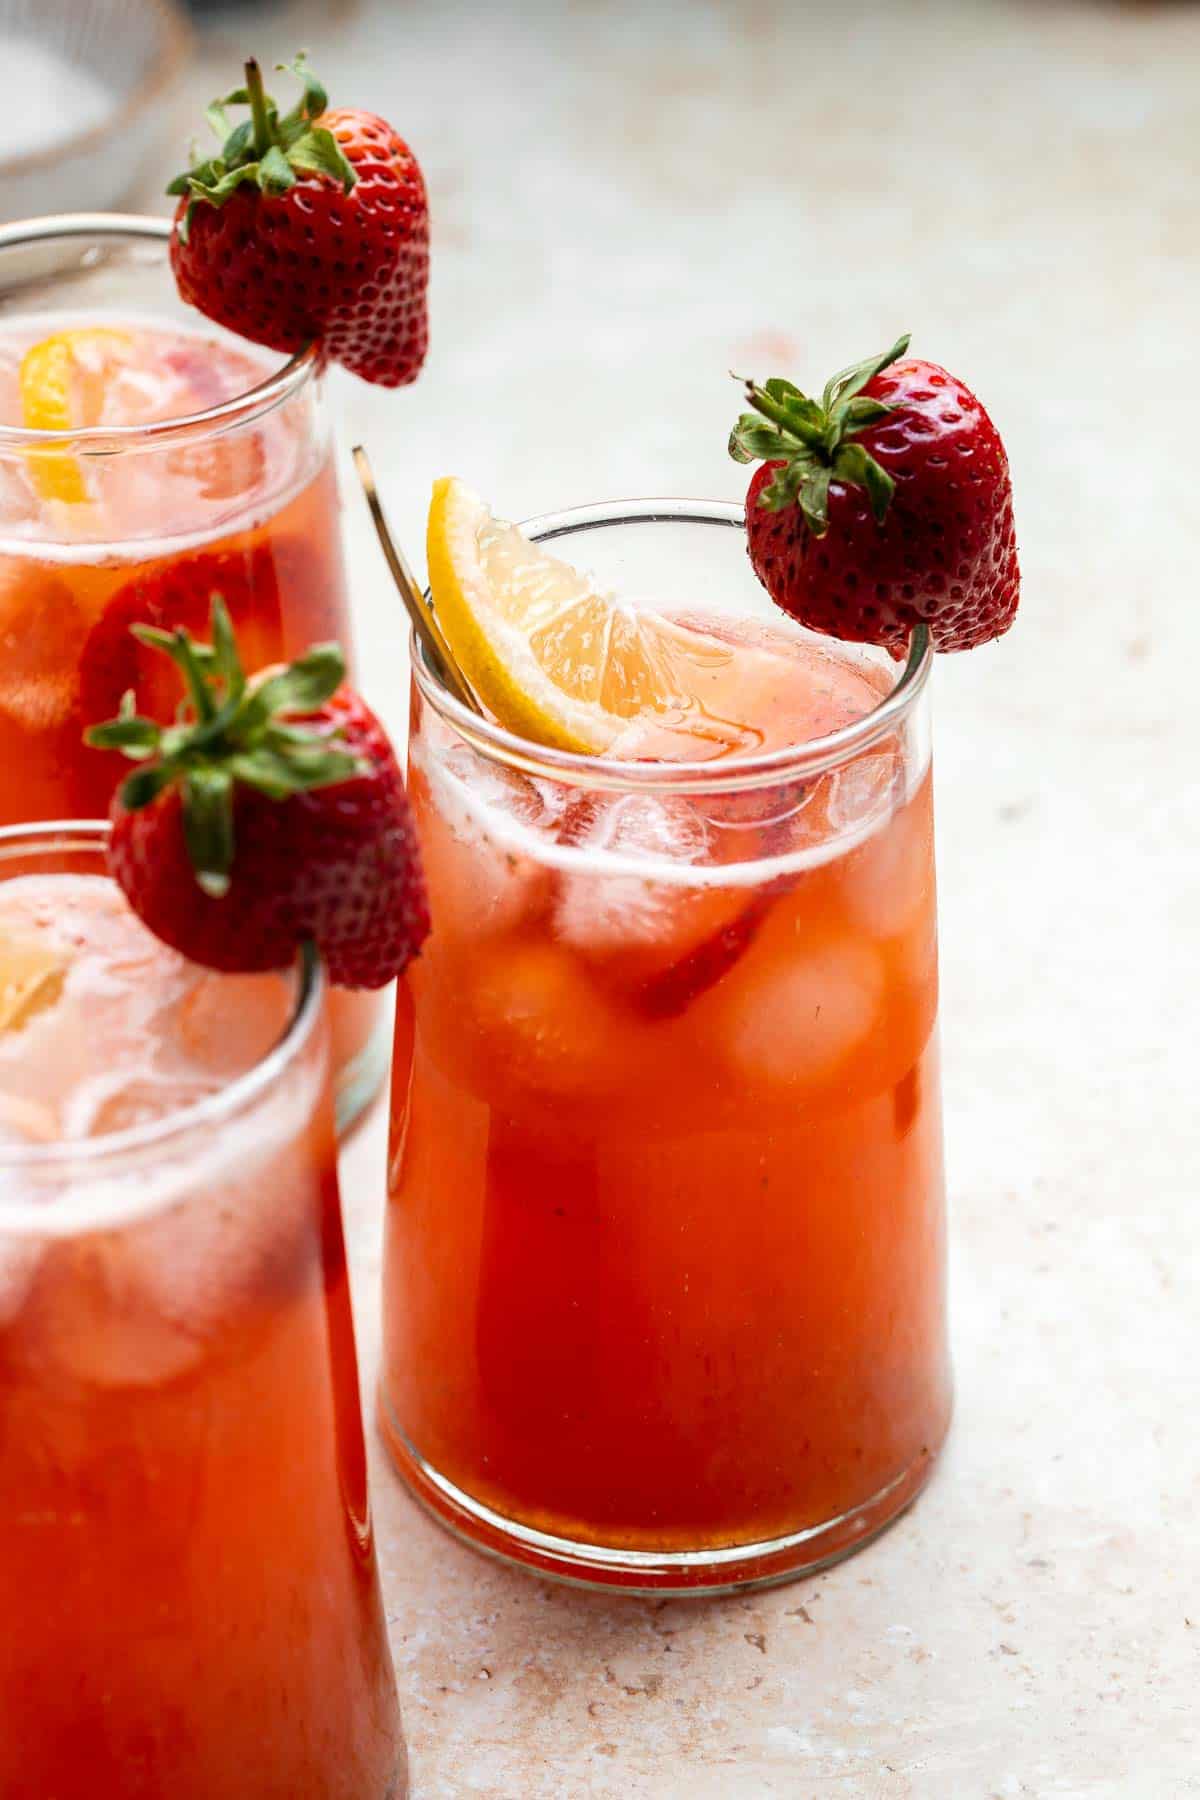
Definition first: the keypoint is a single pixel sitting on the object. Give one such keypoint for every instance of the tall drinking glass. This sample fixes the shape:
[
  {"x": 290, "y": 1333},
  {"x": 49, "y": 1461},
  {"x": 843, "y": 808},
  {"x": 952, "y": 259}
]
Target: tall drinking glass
[
  {"x": 148, "y": 460},
  {"x": 664, "y": 1286},
  {"x": 187, "y": 1574}
]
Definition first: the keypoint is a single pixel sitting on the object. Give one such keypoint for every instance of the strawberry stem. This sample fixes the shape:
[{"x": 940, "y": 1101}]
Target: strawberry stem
[
  {"x": 813, "y": 441},
  {"x": 268, "y": 151},
  {"x": 258, "y": 108}
]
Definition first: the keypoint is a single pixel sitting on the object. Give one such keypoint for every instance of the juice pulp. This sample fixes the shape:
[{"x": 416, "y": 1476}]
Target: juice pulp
[
  {"x": 664, "y": 1262},
  {"x": 186, "y": 1560},
  {"x": 252, "y": 513}
]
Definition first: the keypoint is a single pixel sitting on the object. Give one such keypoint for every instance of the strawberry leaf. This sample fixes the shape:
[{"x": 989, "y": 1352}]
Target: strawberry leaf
[
  {"x": 302, "y": 687},
  {"x": 271, "y": 152},
  {"x": 139, "y": 738},
  {"x": 275, "y": 173},
  {"x": 319, "y": 153},
  {"x": 753, "y": 440},
  {"x": 856, "y": 415},
  {"x": 852, "y": 464},
  {"x": 813, "y": 442},
  {"x": 851, "y": 381},
  {"x": 144, "y": 786},
  {"x": 229, "y": 731},
  {"x": 314, "y": 100}
]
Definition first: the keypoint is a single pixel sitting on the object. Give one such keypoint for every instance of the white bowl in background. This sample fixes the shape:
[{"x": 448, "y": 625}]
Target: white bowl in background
[{"x": 119, "y": 63}]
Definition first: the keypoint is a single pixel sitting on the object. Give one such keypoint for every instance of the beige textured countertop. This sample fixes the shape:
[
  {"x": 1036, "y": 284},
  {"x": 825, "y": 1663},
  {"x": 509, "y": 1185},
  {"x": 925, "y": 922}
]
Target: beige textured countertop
[{"x": 629, "y": 200}]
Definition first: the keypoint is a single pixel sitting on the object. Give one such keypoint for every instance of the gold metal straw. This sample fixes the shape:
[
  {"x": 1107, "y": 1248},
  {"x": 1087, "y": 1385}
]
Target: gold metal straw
[{"x": 437, "y": 651}]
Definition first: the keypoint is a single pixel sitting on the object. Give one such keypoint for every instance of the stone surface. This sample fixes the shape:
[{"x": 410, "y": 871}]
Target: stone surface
[{"x": 629, "y": 201}]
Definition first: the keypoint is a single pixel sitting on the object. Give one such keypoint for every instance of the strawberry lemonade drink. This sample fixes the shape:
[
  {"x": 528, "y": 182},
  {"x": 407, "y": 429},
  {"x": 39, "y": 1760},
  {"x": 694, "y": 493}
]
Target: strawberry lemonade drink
[
  {"x": 186, "y": 1561},
  {"x": 664, "y": 1297},
  {"x": 147, "y": 461}
]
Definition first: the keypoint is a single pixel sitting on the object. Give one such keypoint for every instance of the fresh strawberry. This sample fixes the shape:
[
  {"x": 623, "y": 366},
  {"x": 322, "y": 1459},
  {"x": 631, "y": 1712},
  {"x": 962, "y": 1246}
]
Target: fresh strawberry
[
  {"x": 274, "y": 812},
  {"x": 177, "y": 596},
  {"x": 312, "y": 227},
  {"x": 885, "y": 506}
]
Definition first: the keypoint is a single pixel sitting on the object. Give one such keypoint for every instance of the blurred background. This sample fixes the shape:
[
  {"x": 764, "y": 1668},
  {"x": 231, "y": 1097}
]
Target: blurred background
[{"x": 630, "y": 200}]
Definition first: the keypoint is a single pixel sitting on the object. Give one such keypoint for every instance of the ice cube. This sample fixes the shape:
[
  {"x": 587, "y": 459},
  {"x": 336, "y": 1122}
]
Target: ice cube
[
  {"x": 143, "y": 1304},
  {"x": 225, "y": 468},
  {"x": 796, "y": 1019},
  {"x": 601, "y": 908},
  {"x": 636, "y": 930},
  {"x": 87, "y": 994},
  {"x": 96, "y": 1321},
  {"x": 534, "y": 1019},
  {"x": 888, "y": 881},
  {"x": 19, "y": 503},
  {"x": 222, "y": 1026},
  {"x": 480, "y": 834},
  {"x": 864, "y": 791}
]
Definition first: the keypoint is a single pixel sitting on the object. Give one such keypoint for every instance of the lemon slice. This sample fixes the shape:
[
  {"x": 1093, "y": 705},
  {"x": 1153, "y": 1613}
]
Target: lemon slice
[
  {"x": 31, "y": 980},
  {"x": 552, "y": 656},
  {"x": 51, "y": 373}
]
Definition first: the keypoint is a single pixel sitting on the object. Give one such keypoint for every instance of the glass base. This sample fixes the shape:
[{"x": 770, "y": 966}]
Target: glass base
[
  {"x": 677, "y": 1574},
  {"x": 359, "y": 1080}
]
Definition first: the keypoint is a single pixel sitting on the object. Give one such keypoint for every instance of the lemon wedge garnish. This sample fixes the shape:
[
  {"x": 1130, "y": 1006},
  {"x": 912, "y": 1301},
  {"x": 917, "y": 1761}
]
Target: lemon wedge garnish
[
  {"x": 51, "y": 372},
  {"x": 551, "y": 655}
]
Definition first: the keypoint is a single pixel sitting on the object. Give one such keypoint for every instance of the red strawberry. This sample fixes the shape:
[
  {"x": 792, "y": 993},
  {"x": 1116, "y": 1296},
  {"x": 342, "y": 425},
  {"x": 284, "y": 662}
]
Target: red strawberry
[
  {"x": 313, "y": 227},
  {"x": 274, "y": 812},
  {"x": 885, "y": 506},
  {"x": 178, "y": 596}
]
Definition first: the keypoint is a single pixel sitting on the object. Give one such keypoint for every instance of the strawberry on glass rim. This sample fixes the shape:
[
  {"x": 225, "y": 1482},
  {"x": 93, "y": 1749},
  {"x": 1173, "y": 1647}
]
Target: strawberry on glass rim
[
  {"x": 273, "y": 812},
  {"x": 310, "y": 227},
  {"x": 883, "y": 506}
]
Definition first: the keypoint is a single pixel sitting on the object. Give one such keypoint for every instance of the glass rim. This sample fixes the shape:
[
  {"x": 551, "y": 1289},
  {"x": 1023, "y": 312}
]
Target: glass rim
[
  {"x": 238, "y": 409},
  {"x": 733, "y": 774},
  {"x": 238, "y": 1094}
]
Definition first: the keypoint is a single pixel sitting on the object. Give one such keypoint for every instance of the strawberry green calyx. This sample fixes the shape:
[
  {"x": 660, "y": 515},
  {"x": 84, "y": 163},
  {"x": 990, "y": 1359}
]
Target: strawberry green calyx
[
  {"x": 228, "y": 730},
  {"x": 271, "y": 152},
  {"x": 814, "y": 440}
]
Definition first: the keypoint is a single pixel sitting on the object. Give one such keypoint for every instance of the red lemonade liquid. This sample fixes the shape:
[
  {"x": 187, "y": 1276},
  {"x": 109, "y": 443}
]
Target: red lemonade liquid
[{"x": 186, "y": 1562}]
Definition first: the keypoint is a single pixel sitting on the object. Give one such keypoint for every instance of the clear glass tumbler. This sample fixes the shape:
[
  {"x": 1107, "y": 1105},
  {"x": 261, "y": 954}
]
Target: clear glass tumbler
[
  {"x": 664, "y": 1285},
  {"x": 187, "y": 1571},
  {"x": 147, "y": 461}
]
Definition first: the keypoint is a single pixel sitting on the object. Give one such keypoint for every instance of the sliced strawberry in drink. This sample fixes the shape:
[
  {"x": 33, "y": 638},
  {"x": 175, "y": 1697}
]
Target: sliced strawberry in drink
[
  {"x": 641, "y": 913},
  {"x": 667, "y": 995},
  {"x": 637, "y": 902}
]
